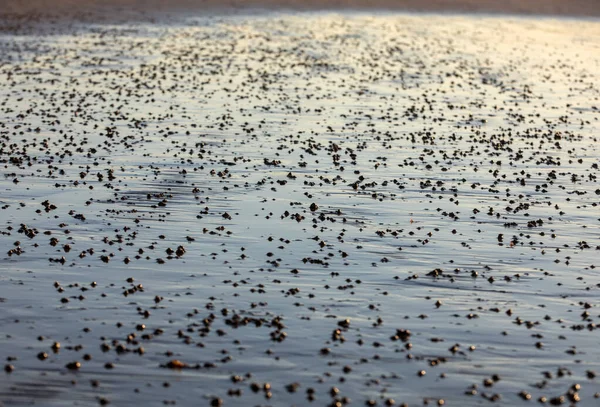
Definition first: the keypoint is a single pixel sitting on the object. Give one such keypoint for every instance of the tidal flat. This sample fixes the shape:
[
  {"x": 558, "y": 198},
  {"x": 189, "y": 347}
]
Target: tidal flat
[{"x": 262, "y": 208}]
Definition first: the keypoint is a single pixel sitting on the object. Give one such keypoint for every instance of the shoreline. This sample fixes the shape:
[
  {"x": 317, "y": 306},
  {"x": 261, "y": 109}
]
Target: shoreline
[{"x": 66, "y": 8}]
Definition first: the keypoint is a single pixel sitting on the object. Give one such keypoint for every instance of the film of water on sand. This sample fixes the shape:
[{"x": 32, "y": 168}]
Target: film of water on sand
[{"x": 263, "y": 208}]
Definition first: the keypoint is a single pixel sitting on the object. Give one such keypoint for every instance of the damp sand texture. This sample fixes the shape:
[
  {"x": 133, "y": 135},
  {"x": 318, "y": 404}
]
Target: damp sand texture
[{"x": 296, "y": 209}]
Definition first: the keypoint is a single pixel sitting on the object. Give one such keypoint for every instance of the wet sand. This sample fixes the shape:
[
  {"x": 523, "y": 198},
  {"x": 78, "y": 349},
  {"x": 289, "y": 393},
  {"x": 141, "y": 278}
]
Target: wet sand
[{"x": 282, "y": 208}]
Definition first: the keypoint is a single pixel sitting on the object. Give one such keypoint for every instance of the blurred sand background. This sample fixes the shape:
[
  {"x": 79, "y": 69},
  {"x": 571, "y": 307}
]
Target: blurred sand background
[{"x": 589, "y": 8}]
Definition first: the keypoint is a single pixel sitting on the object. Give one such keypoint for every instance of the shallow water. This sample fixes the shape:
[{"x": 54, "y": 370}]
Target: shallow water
[{"x": 448, "y": 158}]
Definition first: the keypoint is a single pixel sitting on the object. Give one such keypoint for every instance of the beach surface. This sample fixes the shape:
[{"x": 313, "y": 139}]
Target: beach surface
[{"x": 250, "y": 206}]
